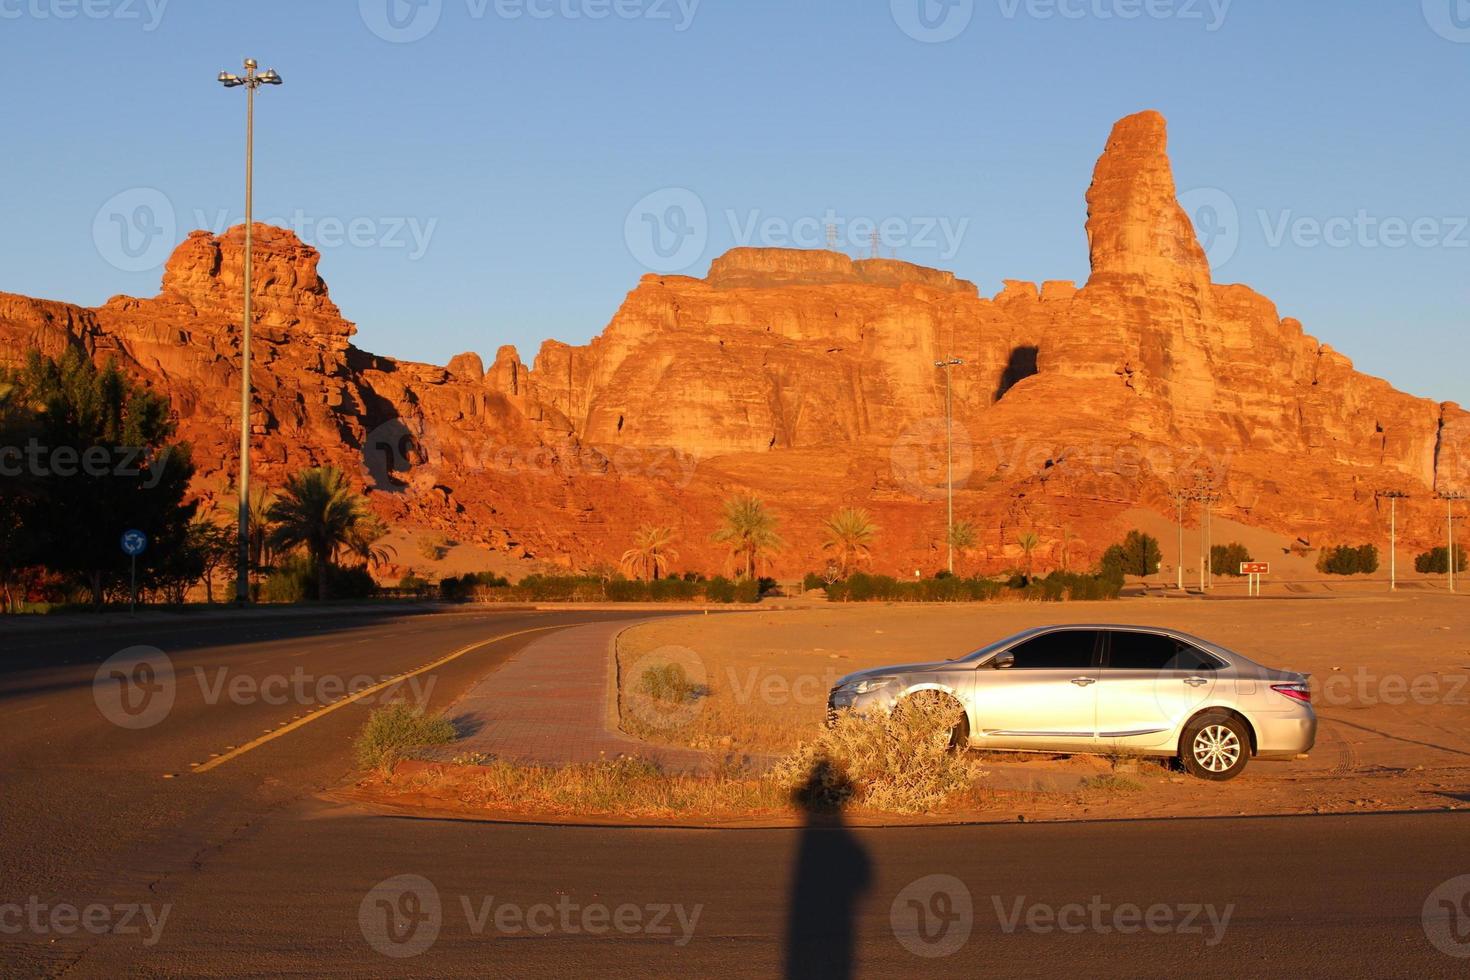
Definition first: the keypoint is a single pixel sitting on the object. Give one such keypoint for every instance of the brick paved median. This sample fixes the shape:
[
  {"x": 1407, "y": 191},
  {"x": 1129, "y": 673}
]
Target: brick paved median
[{"x": 553, "y": 703}]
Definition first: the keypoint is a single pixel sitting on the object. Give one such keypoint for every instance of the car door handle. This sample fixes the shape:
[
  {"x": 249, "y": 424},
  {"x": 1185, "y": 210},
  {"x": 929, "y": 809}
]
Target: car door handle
[
  {"x": 1084, "y": 681},
  {"x": 1195, "y": 681}
]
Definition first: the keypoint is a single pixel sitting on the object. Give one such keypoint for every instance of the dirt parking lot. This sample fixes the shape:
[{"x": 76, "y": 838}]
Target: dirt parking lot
[{"x": 1390, "y": 676}]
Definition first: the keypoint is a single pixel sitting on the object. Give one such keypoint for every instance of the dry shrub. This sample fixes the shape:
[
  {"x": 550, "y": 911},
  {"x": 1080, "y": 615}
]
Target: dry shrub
[{"x": 900, "y": 762}]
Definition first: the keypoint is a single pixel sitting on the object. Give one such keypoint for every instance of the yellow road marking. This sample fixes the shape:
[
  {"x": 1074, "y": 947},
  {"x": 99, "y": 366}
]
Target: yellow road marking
[{"x": 349, "y": 699}]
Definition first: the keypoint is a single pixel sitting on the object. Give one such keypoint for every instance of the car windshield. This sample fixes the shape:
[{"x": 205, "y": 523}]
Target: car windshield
[{"x": 986, "y": 651}]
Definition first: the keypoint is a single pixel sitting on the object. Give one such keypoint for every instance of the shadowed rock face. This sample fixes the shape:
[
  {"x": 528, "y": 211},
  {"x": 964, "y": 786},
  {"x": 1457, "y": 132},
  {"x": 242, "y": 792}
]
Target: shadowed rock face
[{"x": 808, "y": 377}]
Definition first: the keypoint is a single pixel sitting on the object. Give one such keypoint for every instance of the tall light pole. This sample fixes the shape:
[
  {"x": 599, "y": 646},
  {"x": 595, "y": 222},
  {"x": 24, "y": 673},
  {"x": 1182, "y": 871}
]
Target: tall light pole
[
  {"x": 949, "y": 364},
  {"x": 250, "y": 82},
  {"x": 1450, "y": 496},
  {"x": 1180, "y": 496},
  {"x": 1394, "y": 496},
  {"x": 1207, "y": 496}
]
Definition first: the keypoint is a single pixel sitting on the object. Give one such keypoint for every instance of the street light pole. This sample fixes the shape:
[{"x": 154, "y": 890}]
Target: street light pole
[
  {"x": 949, "y": 364},
  {"x": 250, "y": 81},
  {"x": 1450, "y": 496},
  {"x": 1394, "y": 496}
]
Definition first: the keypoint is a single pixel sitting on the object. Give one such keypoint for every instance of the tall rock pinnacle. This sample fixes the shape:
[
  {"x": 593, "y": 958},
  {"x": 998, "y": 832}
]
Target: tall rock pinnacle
[{"x": 1135, "y": 227}]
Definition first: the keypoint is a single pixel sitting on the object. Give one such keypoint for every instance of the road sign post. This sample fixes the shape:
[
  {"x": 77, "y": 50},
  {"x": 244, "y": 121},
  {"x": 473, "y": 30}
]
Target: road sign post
[
  {"x": 1254, "y": 570},
  {"x": 134, "y": 542}
]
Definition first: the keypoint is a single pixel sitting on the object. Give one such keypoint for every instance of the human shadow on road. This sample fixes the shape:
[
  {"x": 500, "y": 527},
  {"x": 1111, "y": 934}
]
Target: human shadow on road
[{"x": 832, "y": 875}]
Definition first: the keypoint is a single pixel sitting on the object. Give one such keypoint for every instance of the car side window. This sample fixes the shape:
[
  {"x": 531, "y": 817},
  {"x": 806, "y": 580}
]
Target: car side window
[
  {"x": 1128, "y": 650},
  {"x": 1069, "y": 649}
]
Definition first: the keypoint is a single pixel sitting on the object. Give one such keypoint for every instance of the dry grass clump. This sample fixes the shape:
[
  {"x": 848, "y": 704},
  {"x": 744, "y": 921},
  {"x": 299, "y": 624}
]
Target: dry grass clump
[
  {"x": 391, "y": 731},
  {"x": 900, "y": 762},
  {"x": 620, "y": 787}
]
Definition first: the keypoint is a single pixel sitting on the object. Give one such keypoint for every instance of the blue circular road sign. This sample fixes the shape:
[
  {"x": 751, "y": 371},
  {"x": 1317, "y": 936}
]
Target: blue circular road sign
[{"x": 133, "y": 542}]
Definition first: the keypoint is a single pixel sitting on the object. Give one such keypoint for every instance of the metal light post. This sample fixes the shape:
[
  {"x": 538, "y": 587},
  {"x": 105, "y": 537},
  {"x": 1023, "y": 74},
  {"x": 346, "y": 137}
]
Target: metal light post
[
  {"x": 250, "y": 81},
  {"x": 949, "y": 364},
  {"x": 1450, "y": 496},
  {"x": 1394, "y": 496},
  {"x": 1180, "y": 496}
]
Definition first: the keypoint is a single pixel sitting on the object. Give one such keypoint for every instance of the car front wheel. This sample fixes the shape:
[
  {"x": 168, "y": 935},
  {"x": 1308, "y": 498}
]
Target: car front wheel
[{"x": 1215, "y": 746}]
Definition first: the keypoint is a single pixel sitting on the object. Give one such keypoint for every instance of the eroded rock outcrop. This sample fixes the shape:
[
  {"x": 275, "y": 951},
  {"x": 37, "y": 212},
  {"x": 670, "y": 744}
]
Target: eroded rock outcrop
[{"x": 809, "y": 377}]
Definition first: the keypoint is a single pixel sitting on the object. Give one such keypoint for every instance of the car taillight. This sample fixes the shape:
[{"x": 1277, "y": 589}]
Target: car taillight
[{"x": 1297, "y": 692}]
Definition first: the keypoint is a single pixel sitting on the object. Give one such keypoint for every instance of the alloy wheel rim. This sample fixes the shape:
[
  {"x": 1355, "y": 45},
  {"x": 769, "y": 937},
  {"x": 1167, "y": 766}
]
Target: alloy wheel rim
[{"x": 1216, "y": 748}]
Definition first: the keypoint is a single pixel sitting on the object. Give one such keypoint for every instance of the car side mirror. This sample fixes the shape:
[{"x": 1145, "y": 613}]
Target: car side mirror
[{"x": 1003, "y": 661}]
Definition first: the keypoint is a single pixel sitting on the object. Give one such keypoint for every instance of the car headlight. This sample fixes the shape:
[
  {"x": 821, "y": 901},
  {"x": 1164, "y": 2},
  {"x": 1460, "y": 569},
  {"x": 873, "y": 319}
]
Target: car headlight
[{"x": 867, "y": 685}]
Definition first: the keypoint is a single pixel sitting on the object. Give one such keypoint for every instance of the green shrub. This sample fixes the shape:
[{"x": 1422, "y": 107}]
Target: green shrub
[
  {"x": 294, "y": 580},
  {"x": 1139, "y": 554},
  {"x": 812, "y": 581},
  {"x": 748, "y": 590},
  {"x": 561, "y": 588},
  {"x": 667, "y": 683},
  {"x": 1054, "y": 588},
  {"x": 720, "y": 589},
  {"x": 459, "y": 588},
  {"x": 1436, "y": 561},
  {"x": 1347, "y": 560},
  {"x": 394, "y": 729},
  {"x": 1225, "y": 559}
]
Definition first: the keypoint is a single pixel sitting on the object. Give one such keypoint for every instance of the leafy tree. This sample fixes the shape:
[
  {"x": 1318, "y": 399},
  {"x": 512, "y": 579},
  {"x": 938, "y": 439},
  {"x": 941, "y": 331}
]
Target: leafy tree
[
  {"x": 1225, "y": 559},
  {"x": 652, "y": 554},
  {"x": 319, "y": 512},
  {"x": 849, "y": 535},
  {"x": 98, "y": 459},
  {"x": 1436, "y": 561},
  {"x": 1139, "y": 554},
  {"x": 215, "y": 546},
  {"x": 1347, "y": 560},
  {"x": 749, "y": 530}
]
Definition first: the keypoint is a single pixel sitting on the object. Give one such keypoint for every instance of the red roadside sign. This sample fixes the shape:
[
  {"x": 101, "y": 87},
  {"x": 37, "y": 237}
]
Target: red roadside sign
[{"x": 1255, "y": 568}]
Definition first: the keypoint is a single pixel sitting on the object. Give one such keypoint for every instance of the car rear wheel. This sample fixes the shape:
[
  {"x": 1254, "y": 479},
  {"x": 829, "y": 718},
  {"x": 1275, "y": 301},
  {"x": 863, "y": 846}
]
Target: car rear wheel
[{"x": 1215, "y": 746}]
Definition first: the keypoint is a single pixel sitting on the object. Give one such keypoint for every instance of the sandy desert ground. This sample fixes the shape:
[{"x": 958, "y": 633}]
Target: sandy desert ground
[{"x": 1390, "y": 673}]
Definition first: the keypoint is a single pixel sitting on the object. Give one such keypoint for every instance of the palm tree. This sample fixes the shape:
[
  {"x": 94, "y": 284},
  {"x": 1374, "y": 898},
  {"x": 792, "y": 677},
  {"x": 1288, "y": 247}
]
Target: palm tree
[
  {"x": 962, "y": 536},
  {"x": 850, "y": 534},
  {"x": 317, "y": 510},
  {"x": 651, "y": 556},
  {"x": 261, "y": 501},
  {"x": 363, "y": 544},
  {"x": 749, "y": 529},
  {"x": 1028, "y": 541}
]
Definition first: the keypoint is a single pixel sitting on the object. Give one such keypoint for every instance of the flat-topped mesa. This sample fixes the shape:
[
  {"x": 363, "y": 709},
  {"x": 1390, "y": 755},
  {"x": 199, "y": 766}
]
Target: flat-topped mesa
[
  {"x": 762, "y": 267},
  {"x": 289, "y": 296},
  {"x": 1136, "y": 230}
]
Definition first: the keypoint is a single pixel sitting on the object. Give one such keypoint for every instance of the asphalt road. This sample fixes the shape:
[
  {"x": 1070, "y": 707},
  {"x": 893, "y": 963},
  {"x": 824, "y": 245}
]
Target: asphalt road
[{"x": 112, "y": 869}]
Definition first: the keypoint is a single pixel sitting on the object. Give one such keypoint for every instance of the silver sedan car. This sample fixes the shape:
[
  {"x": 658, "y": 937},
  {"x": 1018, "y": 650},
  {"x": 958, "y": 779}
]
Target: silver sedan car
[{"x": 1104, "y": 688}]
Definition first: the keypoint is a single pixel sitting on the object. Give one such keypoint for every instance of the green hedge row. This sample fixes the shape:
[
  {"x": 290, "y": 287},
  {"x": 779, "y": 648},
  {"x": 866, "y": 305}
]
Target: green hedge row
[{"x": 1056, "y": 587}]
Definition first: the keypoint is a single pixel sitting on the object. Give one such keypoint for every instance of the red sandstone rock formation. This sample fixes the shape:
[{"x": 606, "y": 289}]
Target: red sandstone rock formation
[{"x": 808, "y": 377}]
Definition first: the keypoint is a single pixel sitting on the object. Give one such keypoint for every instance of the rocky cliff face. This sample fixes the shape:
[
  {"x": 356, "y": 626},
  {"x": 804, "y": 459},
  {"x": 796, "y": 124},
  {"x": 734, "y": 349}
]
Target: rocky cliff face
[{"x": 810, "y": 378}]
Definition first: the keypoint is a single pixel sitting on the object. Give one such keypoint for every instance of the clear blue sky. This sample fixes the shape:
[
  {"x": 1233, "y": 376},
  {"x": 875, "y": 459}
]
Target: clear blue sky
[{"x": 516, "y": 146}]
